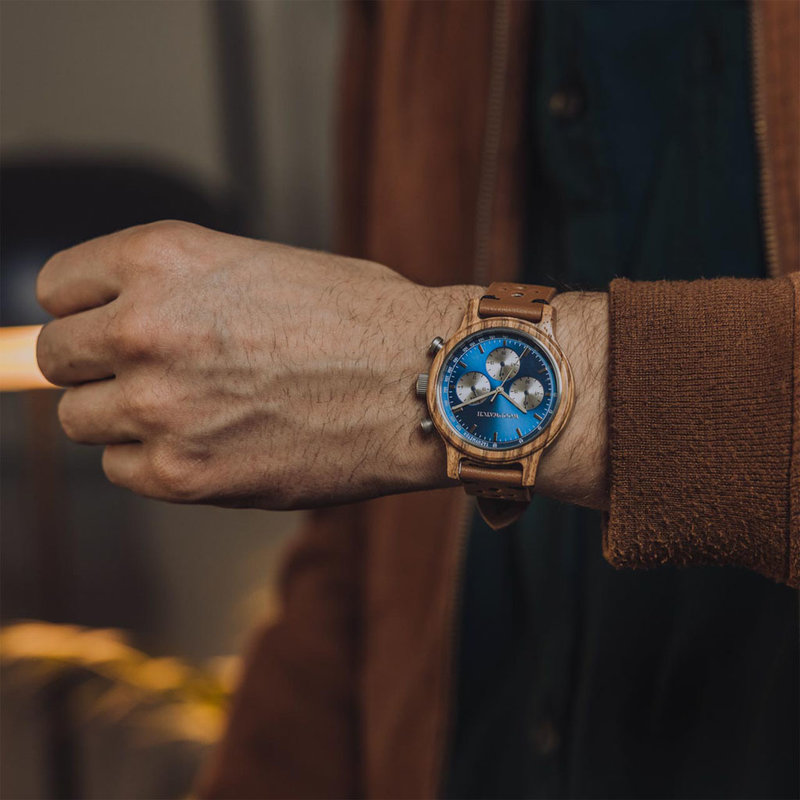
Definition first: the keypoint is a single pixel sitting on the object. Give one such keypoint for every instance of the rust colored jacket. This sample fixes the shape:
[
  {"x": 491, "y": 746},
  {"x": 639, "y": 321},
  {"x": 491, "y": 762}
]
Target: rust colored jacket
[{"x": 349, "y": 691}]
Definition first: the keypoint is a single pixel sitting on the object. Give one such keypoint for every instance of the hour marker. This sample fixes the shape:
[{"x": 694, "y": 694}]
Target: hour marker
[
  {"x": 473, "y": 429},
  {"x": 480, "y": 347},
  {"x": 519, "y": 433},
  {"x": 538, "y": 417},
  {"x": 462, "y": 363},
  {"x": 494, "y": 438},
  {"x": 524, "y": 352}
]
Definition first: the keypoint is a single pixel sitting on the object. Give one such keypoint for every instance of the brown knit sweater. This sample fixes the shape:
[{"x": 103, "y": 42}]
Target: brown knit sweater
[{"x": 703, "y": 400}]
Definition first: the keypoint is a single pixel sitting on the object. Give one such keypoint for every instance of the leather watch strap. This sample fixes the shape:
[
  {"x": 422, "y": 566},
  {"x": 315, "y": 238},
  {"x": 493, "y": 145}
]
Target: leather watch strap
[
  {"x": 501, "y": 496},
  {"x": 515, "y": 300},
  {"x": 499, "y": 483}
]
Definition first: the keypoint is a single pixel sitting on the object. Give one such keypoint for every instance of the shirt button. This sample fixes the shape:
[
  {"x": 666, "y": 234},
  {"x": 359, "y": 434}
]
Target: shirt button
[
  {"x": 545, "y": 738},
  {"x": 566, "y": 104}
]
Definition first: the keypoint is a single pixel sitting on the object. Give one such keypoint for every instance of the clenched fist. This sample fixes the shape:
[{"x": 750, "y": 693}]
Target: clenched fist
[{"x": 236, "y": 372}]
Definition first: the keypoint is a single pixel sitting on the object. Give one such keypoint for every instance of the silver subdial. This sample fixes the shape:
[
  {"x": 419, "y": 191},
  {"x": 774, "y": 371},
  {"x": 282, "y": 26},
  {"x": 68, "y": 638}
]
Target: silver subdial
[
  {"x": 472, "y": 384},
  {"x": 502, "y": 363},
  {"x": 526, "y": 392}
]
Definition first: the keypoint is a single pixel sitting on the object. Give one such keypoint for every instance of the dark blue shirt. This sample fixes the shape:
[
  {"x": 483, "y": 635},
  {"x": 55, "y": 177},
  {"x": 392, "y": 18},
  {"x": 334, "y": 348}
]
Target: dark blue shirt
[{"x": 575, "y": 680}]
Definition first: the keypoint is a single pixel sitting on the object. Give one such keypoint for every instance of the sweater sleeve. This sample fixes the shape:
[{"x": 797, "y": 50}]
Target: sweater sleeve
[{"x": 704, "y": 425}]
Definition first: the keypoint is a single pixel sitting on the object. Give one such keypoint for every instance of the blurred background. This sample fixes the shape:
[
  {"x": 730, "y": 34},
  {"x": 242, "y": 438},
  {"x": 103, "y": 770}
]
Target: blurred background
[{"x": 122, "y": 617}]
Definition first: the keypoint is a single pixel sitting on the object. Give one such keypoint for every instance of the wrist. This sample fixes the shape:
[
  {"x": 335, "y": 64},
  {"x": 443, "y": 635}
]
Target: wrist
[
  {"x": 574, "y": 468},
  {"x": 419, "y": 459}
]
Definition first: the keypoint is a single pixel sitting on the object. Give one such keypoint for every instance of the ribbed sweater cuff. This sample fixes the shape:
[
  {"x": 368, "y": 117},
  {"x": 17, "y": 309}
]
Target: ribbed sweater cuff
[{"x": 703, "y": 388}]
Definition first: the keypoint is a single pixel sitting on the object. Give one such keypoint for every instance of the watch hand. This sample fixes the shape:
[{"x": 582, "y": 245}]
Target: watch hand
[
  {"x": 499, "y": 389},
  {"x": 476, "y": 399},
  {"x": 513, "y": 402}
]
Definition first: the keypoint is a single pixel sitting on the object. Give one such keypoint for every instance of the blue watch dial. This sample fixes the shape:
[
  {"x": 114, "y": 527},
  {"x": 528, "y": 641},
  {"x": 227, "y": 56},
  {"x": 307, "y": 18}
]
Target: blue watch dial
[{"x": 498, "y": 389}]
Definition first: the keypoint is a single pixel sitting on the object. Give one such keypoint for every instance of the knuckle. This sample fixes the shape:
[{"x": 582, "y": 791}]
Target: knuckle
[
  {"x": 68, "y": 418},
  {"x": 112, "y": 473},
  {"x": 43, "y": 289},
  {"x": 45, "y": 283},
  {"x": 44, "y": 352},
  {"x": 174, "y": 477},
  {"x": 146, "y": 406},
  {"x": 131, "y": 334},
  {"x": 156, "y": 243},
  {"x": 148, "y": 332},
  {"x": 46, "y": 356}
]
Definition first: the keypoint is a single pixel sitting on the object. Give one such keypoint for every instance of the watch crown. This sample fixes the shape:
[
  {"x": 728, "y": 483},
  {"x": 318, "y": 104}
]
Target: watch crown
[
  {"x": 436, "y": 345},
  {"x": 422, "y": 385},
  {"x": 426, "y": 426}
]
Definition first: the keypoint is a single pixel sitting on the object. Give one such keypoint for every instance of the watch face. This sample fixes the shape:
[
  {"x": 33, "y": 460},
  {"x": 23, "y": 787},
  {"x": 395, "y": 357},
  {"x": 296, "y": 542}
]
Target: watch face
[{"x": 498, "y": 389}]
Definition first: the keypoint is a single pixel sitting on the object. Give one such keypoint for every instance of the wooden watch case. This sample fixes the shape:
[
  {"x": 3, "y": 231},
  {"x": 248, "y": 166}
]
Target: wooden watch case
[{"x": 457, "y": 448}]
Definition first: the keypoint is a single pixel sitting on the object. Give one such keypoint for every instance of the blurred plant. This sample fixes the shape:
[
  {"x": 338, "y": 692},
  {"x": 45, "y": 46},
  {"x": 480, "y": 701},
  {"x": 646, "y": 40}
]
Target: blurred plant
[{"x": 167, "y": 699}]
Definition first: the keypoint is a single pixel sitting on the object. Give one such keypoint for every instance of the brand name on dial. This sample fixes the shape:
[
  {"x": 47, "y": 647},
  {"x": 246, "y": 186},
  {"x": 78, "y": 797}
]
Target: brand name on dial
[{"x": 497, "y": 415}]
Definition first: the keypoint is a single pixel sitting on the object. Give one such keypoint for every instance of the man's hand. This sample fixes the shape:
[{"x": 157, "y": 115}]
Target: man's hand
[
  {"x": 230, "y": 371},
  {"x": 225, "y": 370}
]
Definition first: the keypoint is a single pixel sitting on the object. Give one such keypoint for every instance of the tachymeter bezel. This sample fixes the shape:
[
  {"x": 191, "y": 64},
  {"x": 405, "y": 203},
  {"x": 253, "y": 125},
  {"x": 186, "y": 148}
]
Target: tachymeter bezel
[{"x": 561, "y": 371}]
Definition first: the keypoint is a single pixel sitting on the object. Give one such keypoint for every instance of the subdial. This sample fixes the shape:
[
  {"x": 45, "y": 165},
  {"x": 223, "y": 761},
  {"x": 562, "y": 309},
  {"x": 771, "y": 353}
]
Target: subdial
[
  {"x": 502, "y": 363},
  {"x": 472, "y": 384},
  {"x": 526, "y": 392}
]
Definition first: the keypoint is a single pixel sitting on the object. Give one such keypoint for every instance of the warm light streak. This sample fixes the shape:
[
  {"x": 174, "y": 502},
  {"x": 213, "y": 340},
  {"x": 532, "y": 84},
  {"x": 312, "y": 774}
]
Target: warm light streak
[{"x": 18, "y": 368}]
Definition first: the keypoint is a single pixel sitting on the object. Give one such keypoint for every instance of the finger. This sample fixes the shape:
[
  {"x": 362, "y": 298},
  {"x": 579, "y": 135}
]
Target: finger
[
  {"x": 81, "y": 277},
  {"x": 76, "y": 349},
  {"x": 96, "y": 413},
  {"x": 126, "y": 465}
]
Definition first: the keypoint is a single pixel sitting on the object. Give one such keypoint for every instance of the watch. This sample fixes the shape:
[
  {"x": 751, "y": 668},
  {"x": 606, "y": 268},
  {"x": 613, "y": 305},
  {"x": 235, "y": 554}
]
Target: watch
[{"x": 499, "y": 392}]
